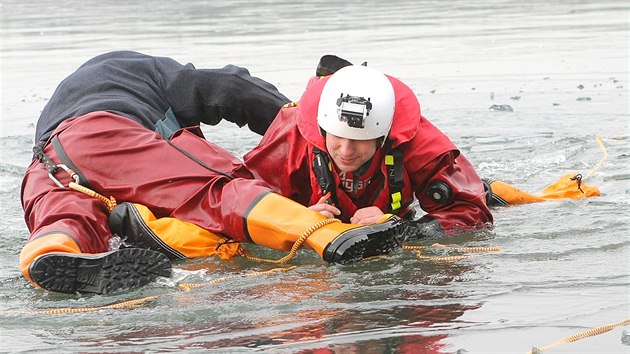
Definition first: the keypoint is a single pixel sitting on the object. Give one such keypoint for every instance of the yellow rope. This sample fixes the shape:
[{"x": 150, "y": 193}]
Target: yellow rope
[
  {"x": 601, "y": 162},
  {"x": 135, "y": 302},
  {"x": 475, "y": 249},
  {"x": 295, "y": 247},
  {"x": 444, "y": 258},
  {"x": 190, "y": 286},
  {"x": 585, "y": 334},
  {"x": 109, "y": 203},
  {"x": 116, "y": 305}
]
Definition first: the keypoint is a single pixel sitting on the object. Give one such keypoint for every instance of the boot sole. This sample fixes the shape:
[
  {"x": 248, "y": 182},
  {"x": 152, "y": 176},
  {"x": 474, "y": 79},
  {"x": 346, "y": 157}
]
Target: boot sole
[
  {"x": 104, "y": 273},
  {"x": 367, "y": 241}
]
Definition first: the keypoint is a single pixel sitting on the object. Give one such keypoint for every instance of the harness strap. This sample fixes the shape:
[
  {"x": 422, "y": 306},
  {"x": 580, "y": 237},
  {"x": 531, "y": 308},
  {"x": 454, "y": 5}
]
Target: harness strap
[
  {"x": 66, "y": 164},
  {"x": 322, "y": 168},
  {"x": 80, "y": 183},
  {"x": 323, "y": 172},
  {"x": 394, "y": 164},
  {"x": 38, "y": 153},
  {"x": 65, "y": 159}
]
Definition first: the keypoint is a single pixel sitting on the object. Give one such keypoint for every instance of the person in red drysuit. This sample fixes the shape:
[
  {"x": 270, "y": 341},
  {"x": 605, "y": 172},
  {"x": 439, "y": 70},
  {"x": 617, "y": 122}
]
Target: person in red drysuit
[
  {"x": 119, "y": 158},
  {"x": 356, "y": 147}
]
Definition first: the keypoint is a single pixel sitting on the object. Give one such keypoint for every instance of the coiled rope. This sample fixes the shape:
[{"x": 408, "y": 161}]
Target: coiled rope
[{"x": 585, "y": 334}]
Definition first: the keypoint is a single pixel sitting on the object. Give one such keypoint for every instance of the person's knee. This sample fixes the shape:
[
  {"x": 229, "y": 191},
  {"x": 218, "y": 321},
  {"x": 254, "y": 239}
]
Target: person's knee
[{"x": 44, "y": 244}]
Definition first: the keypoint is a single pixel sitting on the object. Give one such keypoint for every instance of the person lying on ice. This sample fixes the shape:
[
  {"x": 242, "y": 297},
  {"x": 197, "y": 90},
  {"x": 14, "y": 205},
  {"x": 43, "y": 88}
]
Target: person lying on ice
[
  {"x": 356, "y": 147},
  {"x": 119, "y": 155}
]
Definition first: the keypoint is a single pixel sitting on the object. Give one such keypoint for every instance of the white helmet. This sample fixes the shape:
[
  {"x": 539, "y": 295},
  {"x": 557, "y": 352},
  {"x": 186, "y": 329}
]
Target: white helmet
[{"x": 357, "y": 103}]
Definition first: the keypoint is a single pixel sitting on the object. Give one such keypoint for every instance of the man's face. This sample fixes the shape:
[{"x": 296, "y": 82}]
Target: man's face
[{"x": 350, "y": 154}]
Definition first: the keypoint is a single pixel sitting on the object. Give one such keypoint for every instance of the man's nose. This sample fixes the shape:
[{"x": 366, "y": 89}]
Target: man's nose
[{"x": 346, "y": 146}]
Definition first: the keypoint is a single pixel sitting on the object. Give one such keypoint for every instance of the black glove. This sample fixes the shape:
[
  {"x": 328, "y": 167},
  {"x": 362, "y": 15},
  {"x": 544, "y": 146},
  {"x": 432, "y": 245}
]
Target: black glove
[{"x": 424, "y": 228}]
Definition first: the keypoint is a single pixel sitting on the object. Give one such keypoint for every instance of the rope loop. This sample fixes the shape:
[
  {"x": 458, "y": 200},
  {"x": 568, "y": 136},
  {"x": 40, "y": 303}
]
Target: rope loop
[
  {"x": 298, "y": 243},
  {"x": 578, "y": 179}
]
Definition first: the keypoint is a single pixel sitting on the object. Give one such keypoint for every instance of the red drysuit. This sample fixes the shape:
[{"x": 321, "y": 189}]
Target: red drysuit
[
  {"x": 122, "y": 159},
  {"x": 284, "y": 158},
  {"x": 113, "y": 118}
]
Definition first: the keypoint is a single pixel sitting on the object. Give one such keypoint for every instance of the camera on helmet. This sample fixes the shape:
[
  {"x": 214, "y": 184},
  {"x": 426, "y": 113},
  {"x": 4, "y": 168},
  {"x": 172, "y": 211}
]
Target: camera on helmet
[{"x": 353, "y": 110}]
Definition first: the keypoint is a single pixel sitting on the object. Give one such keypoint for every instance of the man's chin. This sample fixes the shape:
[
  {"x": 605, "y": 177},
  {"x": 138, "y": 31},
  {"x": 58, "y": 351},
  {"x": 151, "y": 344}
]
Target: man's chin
[{"x": 345, "y": 168}]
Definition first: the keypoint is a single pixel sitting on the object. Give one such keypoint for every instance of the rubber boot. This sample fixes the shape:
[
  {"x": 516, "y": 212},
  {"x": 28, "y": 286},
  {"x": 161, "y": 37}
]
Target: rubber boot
[
  {"x": 569, "y": 186},
  {"x": 501, "y": 193},
  {"x": 277, "y": 222},
  {"x": 177, "y": 239},
  {"x": 54, "y": 262}
]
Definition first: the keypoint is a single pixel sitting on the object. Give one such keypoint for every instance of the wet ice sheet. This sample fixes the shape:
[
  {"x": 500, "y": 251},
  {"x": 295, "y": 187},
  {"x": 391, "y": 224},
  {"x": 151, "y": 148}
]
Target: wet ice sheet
[{"x": 562, "y": 67}]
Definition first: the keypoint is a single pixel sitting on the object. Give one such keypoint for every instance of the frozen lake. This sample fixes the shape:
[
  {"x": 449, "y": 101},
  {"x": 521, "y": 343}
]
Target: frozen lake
[{"x": 564, "y": 268}]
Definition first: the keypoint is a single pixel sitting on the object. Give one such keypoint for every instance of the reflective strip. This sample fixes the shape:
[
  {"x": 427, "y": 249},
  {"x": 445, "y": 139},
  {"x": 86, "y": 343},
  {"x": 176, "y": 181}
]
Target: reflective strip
[
  {"x": 396, "y": 198},
  {"x": 389, "y": 160}
]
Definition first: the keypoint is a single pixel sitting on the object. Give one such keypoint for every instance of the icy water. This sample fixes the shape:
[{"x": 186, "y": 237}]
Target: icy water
[{"x": 562, "y": 66}]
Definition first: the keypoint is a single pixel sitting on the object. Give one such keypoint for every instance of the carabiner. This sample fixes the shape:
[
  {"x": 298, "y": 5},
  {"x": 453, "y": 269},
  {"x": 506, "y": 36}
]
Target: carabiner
[
  {"x": 52, "y": 177},
  {"x": 70, "y": 173}
]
